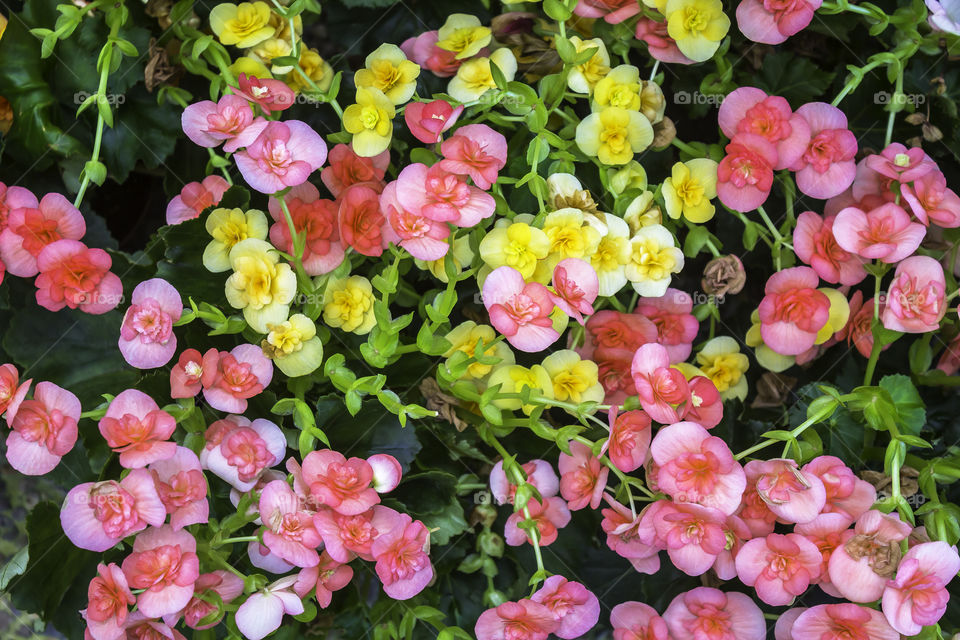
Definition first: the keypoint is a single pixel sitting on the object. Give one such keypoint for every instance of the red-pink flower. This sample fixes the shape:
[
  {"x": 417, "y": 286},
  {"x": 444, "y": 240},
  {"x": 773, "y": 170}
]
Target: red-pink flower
[
  {"x": 918, "y": 596},
  {"x": 539, "y": 474},
  {"x": 97, "y": 515},
  {"x": 582, "y": 477},
  {"x": 792, "y": 310},
  {"x": 325, "y": 578},
  {"x": 779, "y": 567},
  {"x": 108, "y": 599},
  {"x": 194, "y": 198},
  {"x": 224, "y": 584},
  {"x": 12, "y": 391},
  {"x": 793, "y": 495},
  {"x": 230, "y": 379},
  {"x": 659, "y": 43},
  {"x": 428, "y": 120},
  {"x": 342, "y": 484},
  {"x": 949, "y": 361},
  {"x": 612, "y": 11},
  {"x": 931, "y": 201},
  {"x": 846, "y": 493},
  {"x": 861, "y": 566},
  {"x": 422, "y": 237},
  {"x": 663, "y": 390},
  {"x": 347, "y": 536},
  {"x": 523, "y": 620},
  {"x": 573, "y": 605},
  {"x": 442, "y": 196},
  {"x": 745, "y": 174},
  {"x": 843, "y": 621},
  {"x": 401, "y": 557},
  {"x": 859, "y": 329},
  {"x": 916, "y": 297},
  {"x": 550, "y": 515},
  {"x": 74, "y": 276},
  {"x": 519, "y": 310},
  {"x": 705, "y": 613},
  {"x": 896, "y": 162},
  {"x": 751, "y": 110},
  {"x": 136, "y": 428},
  {"x": 146, "y": 335},
  {"x": 289, "y": 532},
  {"x": 773, "y": 21},
  {"x": 815, "y": 244},
  {"x": 164, "y": 564},
  {"x": 575, "y": 284},
  {"x": 238, "y": 451},
  {"x": 885, "y": 233},
  {"x": 283, "y": 155},
  {"x": 477, "y": 151},
  {"x": 637, "y": 621},
  {"x": 269, "y": 94},
  {"x": 361, "y": 222},
  {"x": 230, "y": 120},
  {"x": 186, "y": 375},
  {"x": 182, "y": 488},
  {"x": 827, "y": 166},
  {"x": 697, "y": 467},
  {"x": 29, "y": 229},
  {"x": 672, "y": 315},
  {"x": 629, "y": 440},
  {"x": 346, "y": 168},
  {"x": 314, "y": 218},
  {"x": 44, "y": 429},
  {"x": 693, "y": 535}
]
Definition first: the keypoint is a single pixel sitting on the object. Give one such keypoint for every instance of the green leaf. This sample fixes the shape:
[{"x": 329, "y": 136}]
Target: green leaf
[
  {"x": 14, "y": 567},
  {"x": 557, "y": 10},
  {"x": 791, "y": 76},
  {"x": 911, "y": 412}
]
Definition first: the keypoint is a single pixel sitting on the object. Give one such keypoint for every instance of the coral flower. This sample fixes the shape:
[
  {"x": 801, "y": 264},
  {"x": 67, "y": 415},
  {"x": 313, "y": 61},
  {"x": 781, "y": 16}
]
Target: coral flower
[
  {"x": 230, "y": 378},
  {"x": 146, "y": 335},
  {"x": 136, "y": 428},
  {"x": 793, "y": 495},
  {"x": 225, "y": 585},
  {"x": 238, "y": 451},
  {"x": 573, "y": 605},
  {"x": 827, "y": 532},
  {"x": 325, "y": 578},
  {"x": 428, "y": 120},
  {"x": 793, "y": 311},
  {"x": 14, "y": 198},
  {"x": 523, "y": 620},
  {"x": 582, "y": 477},
  {"x": 885, "y": 233},
  {"x": 345, "y": 537},
  {"x": 816, "y": 245},
  {"x": 780, "y": 567},
  {"x": 44, "y": 429},
  {"x": 861, "y": 566},
  {"x": 749, "y": 110},
  {"x": 745, "y": 175},
  {"x": 164, "y": 564},
  {"x": 401, "y": 557},
  {"x": 676, "y": 325},
  {"x": 442, "y": 196},
  {"x": 314, "y": 218},
  {"x": 12, "y": 391},
  {"x": 342, "y": 484},
  {"x": 931, "y": 201},
  {"x": 827, "y": 166},
  {"x": 75, "y": 276},
  {"x": 194, "y": 198},
  {"x": 361, "y": 220},
  {"x": 694, "y": 536},
  {"x": 182, "y": 488},
  {"x": 637, "y": 621},
  {"x": 519, "y": 310},
  {"x": 186, "y": 375},
  {"x": 774, "y": 22},
  {"x": 712, "y": 614},
  {"x": 477, "y": 151},
  {"x": 915, "y": 299},
  {"x": 423, "y": 238},
  {"x": 283, "y": 155},
  {"x": 629, "y": 439},
  {"x": 228, "y": 121},
  {"x": 664, "y": 391},
  {"x": 289, "y": 533},
  {"x": 575, "y": 284},
  {"x": 29, "y": 229},
  {"x": 918, "y": 596},
  {"x": 549, "y": 516},
  {"x": 108, "y": 599},
  {"x": 345, "y": 168}
]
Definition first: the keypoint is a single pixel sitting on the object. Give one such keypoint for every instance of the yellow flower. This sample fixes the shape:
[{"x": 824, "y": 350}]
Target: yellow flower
[
  {"x": 251, "y": 67},
  {"x": 474, "y": 77},
  {"x": 294, "y": 346},
  {"x": 272, "y": 48},
  {"x": 614, "y": 135},
  {"x": 584, "y": 77},
  {"x": 839, "y": 314},
  {"x": 315, "y": 68},
  {"x": 388, "y": 69},
  {"x": 721, "y": 361},
  {"x": 766, "y": 357},
  {"x": 698, "y": 26},
  {"x": 465, "y": 337},
  {"x": 570, "y": 234},
  {"x": 574, "y": 380},
  {"x": 260, "y": 286},
  {"x": 281, "y": 25},
  {"x": 652, "y": 103},
  {"x": 463, "y": 35},
  {"x": 461, "y": 253},
  {"x": 518, "y": 245},
  {"x": 513, "y": 378},
  {"x": 630, "y": 176},
  {"x": 612, "y": 255},
  {"x": 653, "y": 258},
  {"x": 227, "y": 227},
  {"x": 245, "y": 25},
  {"x": 642, "y": 212},
  {"x": 348, "y": 304},
  {"x": 690, "y": 188},
  {"x": 619, "y": 88},
  {"x": 370, "y": 121}
]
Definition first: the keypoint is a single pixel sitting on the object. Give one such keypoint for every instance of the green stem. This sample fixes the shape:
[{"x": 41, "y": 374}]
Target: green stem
[
  {"x": 777, "y": 238},
  {"x": 891, "y": 119},
  {"x": 237, "y": 539},
  {"x": 683, "y": 146},
  {"x": 98, "y": 137},
  {"x": 302, "y": 276},
  {"x": 875, "y": 350}
]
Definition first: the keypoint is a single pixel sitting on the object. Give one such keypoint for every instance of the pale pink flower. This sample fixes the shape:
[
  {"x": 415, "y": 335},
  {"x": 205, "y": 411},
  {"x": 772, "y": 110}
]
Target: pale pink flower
[
  {"x": 12, "y": 391},
  {"x": 931, "y": 201},
  {"x": 386, "y": 472},
  {"x": 477, "y": 151},
  {"x": 573, "y": 605},
  {"x": 76, "y": 276},
  {"x": 220, "y": 582},
  {"x": 422, "y": 237},
  {"x": 612, "y": 11},
  {"x": 827, "y": 532},
  {"x": 582, "y": 477},
  {"x": 916, "y": 297},
  {"x": 783, "y": 630},
  {"x": 697, "y": 467},
  {"x": 44, "y": 429},
  {"x": 575, "y": 285},
  {"x": 745, "y": 174},
  {"x": 262, "y": 613},
  {"x": 428, "y": 120},
  {"x": 751, "y": 110},
  {"x": 238, "y": 451},
  {"x": 289, "y": 533},
  {"x": 792, "y": 311},
  {"x": 779, "y": 567},
  {"x": 664, "y": 391},
  {"x": 815, "y": 244},
  {"x": 194, "y": 198},
  {"x": 108, "y": 602},
  {"x": 345, "y": 537},
  {"x": 401, "y": 557},
  {"x": 550, "y": 515},
  {"x": 29, "y": 229},
  {"x": 860, "y": 567},
  {"x": 283, "y": 155},
  {"x": 637, "y": 621},
  {"x": 827, "y": 166},
  {"x": 539, "y": 474},
  {"x": 843, "y": 621},
  {"x": 182, "y": 488},
  {"x": 442, "y": 195},
  {"x": 519, "y": 310},
  {"x": 793, "y": 495},
  {"x": 135, "y": 427},
  {"x": 885, "y": 233},
  {"x": 262, "y": 558},
  {"x": 705, "y": 613},
  {"x": 846, "y": 493},
  {"x": 629, "y": 440},
  {"x": 164, "y": 564},
  {"x": 773, "y": 21},
  {"x": 693, "y": 535},
  {"x": 230, "y": 120},
  {"x": 316, "y": 219},
  {"x": 901, "y": 164},
  {"x": 146, "y": 335},
  {"x": 97, "y": 515},
  {"x": 230, "y": 379},
  {"x": 325, "y": 578},
  {"x": 140, "y": 627},
  {"x": 523, "y": 620},
  {"x": 672, "y": 315},
  {"x": 918, "y": 596}
]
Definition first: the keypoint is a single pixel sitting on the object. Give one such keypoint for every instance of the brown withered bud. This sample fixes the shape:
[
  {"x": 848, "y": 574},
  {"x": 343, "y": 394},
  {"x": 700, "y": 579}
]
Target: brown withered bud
[
  {"x": 773, "y": 389},
  {"x": 939, "y": 85},
  {"x": 483, "y": 514},
  {"x": 931, "y": 132},
  {"x": 445, "y": 405},
  {"x": 158, "y": 69},
  {"x": 909, "y": 483},
  {"x": 882, "y": 558},
  {"x": 723, "y": 275},
  {"x": 916, "y": 118},
  {"x": 536, "y": 57},
  {"x": 663, "y": 133}
]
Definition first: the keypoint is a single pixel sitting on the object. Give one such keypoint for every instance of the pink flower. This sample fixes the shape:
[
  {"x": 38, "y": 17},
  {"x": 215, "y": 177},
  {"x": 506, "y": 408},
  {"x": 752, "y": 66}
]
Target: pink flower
[
  {"x": 550, "y": 515},
  {"x": 164, "y": 564},
  {"x": 97, "y": 515},
  {"x": 108, "y": 599},
  {"x": 861, "y": 566},
  {"x": 745, "y": 175},
  {"x": 773, "y": 21},
  {"x": 136, "y": 428},
  {"x": 423, "y": 238},
  {"x": 576, "y": 285},
  {"x": 477, "y": 151},
  {"x": 780, "y": 567},
  {"x": 901, "y": 164},
  {"x": 859, "y": 329},
  {"x": 659, "y": 43},
  {"x": 826, "y": 531},
  {"x": 582, "y": 477},
  {"x": 672, "y": 315},
  {"x": 815, "y": 244},
  {"x": 44, "y": 429},
  {"x": 14, "y": 198},
  {"x": 238, "y": 450},
  {"x": 316, "y": 219},
  {"x": 539, "y": 474},
  {"x": 29, "y": 229},
  {"x": 194, "y": 198},
  {"x": 625, "y": 538},
  {"x": 737, "y": 533},
  {"x": 230, "y": 120},
  {"x": 697, "y": 467},
  {"x": 146, "y": 335},
  {"x": 613, "y": 333},
  {"x": 230, "y": 379},
  {"x": 612, "y": 11},
  {"x": 283, "y": 155},
  {"x": 262, "y": 613},
  {"x": 182, "y": 488},
  {"x": 664, "y": 392},
  {"x": 345, "y": 537},
  {"x": 428, "y": 120},
  {"x": 442, "y": 196},
  {"x": 931, "y": 201},
  {"x": 885, "y": 233},
  {"x": 749, "y": 110},
  {"x": 401, "y": 557},
  {"x": 221, "y": 583},
  {"x": 325, "y": 578},
  {"x": 519, "y": 310},
  {"x": 360, "y": 220},
  {"x": 844, "y": 621},
  {"x": 346, "y": 168},
  {"x": 424, "y": 51},
  {"x": 289, "y": 533},
  {"x": 637, "y": 621},
  {"x": 629, "y": 439},
  {"x": 341, "y": 484},
  {"x": 270, "y": 95},
  {"x": 141, "y": 627},
  {"x": 792, "y": 495},
  {"x": 949, "y": 361},
  {"x": 846, "y": 493},
  {"x": 523, "y": 620},
  {"x": 12, "y": 391},
  {"x": 386, "y": 472},
  {"x": 573, "y": 605},
  {"x": 918, "y": 596},
  {"x": 74, "y": 276},
  {"x": 792, "y": 310},
  {"x": 710, "y": 614},
  {"x": 693, "y": 535},
  {"x": 186, "y": 375},
  {"x": 827, "y": 166},
  {"x": 915, "y": 299}
]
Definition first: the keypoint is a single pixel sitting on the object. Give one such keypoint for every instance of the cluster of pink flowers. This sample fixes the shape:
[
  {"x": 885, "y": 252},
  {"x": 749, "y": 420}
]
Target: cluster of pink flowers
[
  {"x": 560, "y": 607},
  {"x": 41, "y": 238}
]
